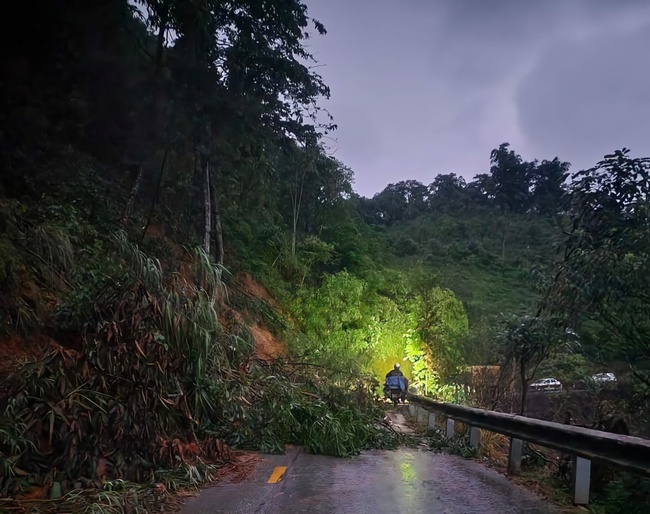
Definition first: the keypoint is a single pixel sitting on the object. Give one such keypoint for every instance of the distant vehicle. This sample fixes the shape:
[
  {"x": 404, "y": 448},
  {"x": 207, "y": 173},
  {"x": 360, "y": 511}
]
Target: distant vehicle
[
  {"x": 546, "y": 384},
  {"x": 604, "y": 377}
]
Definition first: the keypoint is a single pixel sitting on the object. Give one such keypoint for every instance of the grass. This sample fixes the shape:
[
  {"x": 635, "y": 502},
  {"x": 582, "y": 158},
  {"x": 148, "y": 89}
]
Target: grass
[{"x": 457, "y": 445}]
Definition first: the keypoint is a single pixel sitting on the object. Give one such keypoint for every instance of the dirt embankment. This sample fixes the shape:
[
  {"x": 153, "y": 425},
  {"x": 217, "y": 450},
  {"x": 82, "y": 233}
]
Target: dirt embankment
[
  {"x": 15, "y": 350},
  {"x": 267, "y": 345},
  {"x": 255, "y": 289}
]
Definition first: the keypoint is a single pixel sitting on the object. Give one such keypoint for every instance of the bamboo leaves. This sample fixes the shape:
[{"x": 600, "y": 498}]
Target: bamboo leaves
[{"x": 155, "y": 373}]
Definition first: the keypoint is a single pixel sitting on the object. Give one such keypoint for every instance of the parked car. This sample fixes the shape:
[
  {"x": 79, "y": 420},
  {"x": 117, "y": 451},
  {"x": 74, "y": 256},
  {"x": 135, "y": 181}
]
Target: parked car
[
  {"x": 546, "y": 384},
  {"x": 604, "y": 377}
]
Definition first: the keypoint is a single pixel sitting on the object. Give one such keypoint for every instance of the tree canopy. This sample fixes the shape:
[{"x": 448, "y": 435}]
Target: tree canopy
[{"x": 156, "y": 155}]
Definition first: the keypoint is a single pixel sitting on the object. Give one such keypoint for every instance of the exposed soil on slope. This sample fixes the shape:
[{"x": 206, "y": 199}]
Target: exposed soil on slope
[
  {"x": 254, "y": 288},
  {"x": 14, "y": 351},
  {"x": 267, "y": 347}
]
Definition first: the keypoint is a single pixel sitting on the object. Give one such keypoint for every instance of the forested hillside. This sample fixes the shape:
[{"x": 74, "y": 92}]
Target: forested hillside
[
  {"x": 157, "y": 156},
  {"x": 487, "y": 240}
]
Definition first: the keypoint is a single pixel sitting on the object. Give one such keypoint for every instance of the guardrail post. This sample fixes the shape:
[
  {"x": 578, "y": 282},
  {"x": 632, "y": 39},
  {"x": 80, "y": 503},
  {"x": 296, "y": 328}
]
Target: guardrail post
[
  {"x": 627, "y": 452},
  {"x": 514, "y": 456},
  {"x": 580, "y": 480},
  {"x": 474, "y": 437},
  {"x": 431, "y": 426},
  {"x": 450, "y": 431}
]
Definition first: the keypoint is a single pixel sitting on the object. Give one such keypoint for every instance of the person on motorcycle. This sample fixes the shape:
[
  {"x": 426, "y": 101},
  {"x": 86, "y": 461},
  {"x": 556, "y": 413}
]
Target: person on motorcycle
[
  {"x": 395, "y": 372},
  {"x": 396, "y": 380}
]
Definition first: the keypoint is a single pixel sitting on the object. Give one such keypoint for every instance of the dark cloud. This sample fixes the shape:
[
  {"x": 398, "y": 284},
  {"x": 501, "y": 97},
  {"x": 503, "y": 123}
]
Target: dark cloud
[
  {"x": 587, "y": 99},
  {"x": 423, "y": 87}
]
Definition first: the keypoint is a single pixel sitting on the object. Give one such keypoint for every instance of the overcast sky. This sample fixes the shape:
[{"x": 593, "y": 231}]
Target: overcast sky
[{"x": 421, "y": 87}]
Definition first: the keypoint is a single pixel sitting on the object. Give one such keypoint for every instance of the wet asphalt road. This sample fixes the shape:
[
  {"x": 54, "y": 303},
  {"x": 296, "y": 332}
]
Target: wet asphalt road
[{"x": 377, "y": 482}]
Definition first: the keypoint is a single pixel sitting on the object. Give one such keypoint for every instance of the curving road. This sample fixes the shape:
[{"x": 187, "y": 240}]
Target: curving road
[{"x": 402, "y": 481}]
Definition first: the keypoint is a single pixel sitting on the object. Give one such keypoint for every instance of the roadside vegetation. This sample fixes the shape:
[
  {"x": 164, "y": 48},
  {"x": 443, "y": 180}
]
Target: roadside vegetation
[{"x": 186, "y": 272}]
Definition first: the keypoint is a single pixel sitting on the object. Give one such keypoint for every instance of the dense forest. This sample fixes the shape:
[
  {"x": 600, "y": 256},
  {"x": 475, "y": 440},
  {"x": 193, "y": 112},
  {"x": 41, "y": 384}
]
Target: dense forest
[{"x": 167, "y": 195}]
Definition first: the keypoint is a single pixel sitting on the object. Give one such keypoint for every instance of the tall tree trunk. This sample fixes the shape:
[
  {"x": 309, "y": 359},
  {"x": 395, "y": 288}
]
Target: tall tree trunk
[
  {"x": 155, "y": 122},
  {"x": 131, "y": 200},
  {"x": 207, "y": 206},
  {"x": 150, "y": 121},
  {"x": 294, "y": 233},
  {"x": 218, "y": 231},
  {"x": 160, "y": 42},
  {"x": 296, "y": 201},
  {"x": 524, "y": 387},
  {"x": 513, "y": 387},
  {"x": 156, "y": 194}
]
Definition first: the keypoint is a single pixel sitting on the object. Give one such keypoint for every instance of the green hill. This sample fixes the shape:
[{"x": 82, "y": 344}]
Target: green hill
[{"x": 151, "y": 165}]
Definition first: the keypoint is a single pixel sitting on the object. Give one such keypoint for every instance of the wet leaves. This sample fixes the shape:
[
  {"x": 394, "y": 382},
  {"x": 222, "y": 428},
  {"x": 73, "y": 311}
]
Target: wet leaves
[
  {"x": 106, "y": 412},
  {"x": 158, "y": 394}
]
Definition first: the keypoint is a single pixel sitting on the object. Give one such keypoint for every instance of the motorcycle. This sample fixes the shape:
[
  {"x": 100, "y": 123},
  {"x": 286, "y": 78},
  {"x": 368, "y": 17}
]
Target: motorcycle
[
  {"x": 394, "y": 395},
  {"x": 395, "y": 389}
]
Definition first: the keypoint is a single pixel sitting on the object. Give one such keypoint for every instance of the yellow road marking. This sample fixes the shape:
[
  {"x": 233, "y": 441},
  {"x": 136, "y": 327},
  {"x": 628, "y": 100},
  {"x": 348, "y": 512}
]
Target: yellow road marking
[{"x": 277, "y": 475}]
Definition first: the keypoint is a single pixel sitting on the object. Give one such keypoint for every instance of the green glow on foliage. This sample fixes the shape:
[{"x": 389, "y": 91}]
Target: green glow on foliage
[{"x": 352, "y": 325}]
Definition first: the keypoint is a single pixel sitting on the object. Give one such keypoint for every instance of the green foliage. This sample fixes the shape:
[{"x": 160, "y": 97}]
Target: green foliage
[
  {"x": 568, "y": 368},
  {"x": 307, "y": 409},
  {"x": 389, "y": 331},
  {"x": 336, "y": 314},
  {"x": 133, "y": 338},
  {"x": 198, "y": 125},
  {"x": 602, "y": 280},
  {"x": 154, "y": 340},
  {"x": 627, "y": 494},
  {"x": 404, "y": 246},
  {"x": 369, "y": 326},
  {"x": 528, "y": 340},
  {"x": 115, "y": 497},
  {"x": 443, "y": 328},
  {"x": 458, "y": 445}
]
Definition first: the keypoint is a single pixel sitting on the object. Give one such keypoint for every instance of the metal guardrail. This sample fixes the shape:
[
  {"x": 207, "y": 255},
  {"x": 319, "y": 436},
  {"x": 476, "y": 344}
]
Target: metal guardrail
[{"x": 586, "y": 445}]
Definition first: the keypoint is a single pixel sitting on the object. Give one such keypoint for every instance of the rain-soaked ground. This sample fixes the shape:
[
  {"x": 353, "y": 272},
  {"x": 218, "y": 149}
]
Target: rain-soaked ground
[{"x": 377, "y": 482}]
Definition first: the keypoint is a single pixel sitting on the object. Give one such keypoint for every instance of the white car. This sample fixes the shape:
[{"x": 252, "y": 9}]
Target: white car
[
  {"x": 604, "y": 377},
  {"x": 546, "y": 384}
]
